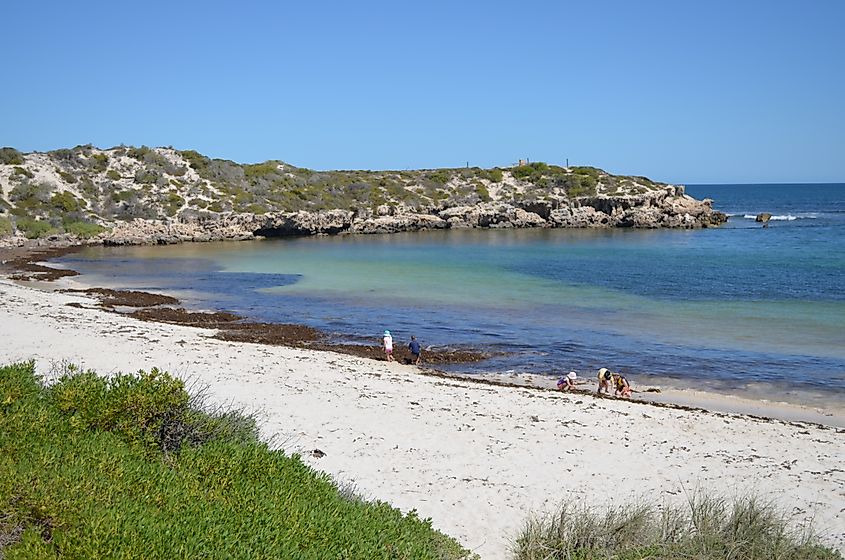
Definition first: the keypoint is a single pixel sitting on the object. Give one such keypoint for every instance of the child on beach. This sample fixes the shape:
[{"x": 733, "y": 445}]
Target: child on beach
[
  {"x": 621, "y": 385},
  {"x": 604, "y": 380},
  {"x": 415, "y": 349},
  {"x": 567, "y": 382},
  {"x": 387, "y": 344}
]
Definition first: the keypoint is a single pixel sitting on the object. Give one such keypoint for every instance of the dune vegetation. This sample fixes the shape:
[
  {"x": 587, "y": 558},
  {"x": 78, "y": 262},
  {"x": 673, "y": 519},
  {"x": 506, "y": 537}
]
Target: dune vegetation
[
  {"x": 706, "y": 527},
  {"x": 134, "y": 466}
]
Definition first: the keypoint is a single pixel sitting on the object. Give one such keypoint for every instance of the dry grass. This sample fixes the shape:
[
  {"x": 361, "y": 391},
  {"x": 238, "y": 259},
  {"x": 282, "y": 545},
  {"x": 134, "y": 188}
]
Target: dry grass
[{"x": 705, "y": 528}]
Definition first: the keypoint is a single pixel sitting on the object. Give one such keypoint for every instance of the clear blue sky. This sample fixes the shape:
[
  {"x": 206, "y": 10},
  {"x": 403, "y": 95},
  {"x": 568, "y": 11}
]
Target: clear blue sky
[{"x": 739, "y": 91}]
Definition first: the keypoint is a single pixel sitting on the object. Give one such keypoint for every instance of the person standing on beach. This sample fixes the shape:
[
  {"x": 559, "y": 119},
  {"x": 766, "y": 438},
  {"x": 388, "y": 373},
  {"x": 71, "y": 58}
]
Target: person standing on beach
[
  {"x": 387, "y": 344},
  {"x": 415, "y": 349},
  {"x": 604, "y": 380}
]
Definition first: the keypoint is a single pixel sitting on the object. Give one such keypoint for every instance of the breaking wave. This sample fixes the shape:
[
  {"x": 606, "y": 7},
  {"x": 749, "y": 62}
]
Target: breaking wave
[{"x": 785, "y": 217}]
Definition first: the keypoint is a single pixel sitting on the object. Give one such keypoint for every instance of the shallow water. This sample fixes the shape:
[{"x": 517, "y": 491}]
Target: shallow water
[{"x": 733, "y": 308}]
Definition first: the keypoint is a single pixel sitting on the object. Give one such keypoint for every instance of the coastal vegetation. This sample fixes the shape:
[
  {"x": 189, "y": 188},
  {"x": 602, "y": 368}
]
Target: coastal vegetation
[
  {"x": 106, "y": 187},
  {"x": 6, "y": 227},
  {"x": 137, "y": 466},
  {"x": 134, "y": 466},
  {"x": 10, "y": 156},
  {"x": 707, "y": 527}
]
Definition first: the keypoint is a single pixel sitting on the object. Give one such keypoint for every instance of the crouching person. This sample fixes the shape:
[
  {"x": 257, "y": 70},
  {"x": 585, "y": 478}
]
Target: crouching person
[
  {"x": 567, "y": 382},
  {"x": 621, "y": 386}
]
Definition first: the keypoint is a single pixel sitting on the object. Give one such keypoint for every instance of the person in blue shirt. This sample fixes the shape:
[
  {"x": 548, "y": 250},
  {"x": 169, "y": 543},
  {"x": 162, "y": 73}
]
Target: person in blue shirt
[{"x": 415, "y": 349}]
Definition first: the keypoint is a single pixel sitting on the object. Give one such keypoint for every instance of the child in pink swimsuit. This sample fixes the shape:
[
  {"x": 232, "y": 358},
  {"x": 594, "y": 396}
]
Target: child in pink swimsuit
[{"x": 387, "y": 344}]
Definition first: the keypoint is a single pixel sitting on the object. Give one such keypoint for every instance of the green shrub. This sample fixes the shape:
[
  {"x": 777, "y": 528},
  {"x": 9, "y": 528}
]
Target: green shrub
[
  {"x": 146, "y": 176},
  {"x": 22, "y": 172},
  {"x": 198, "y": 202},
  {"x": 261, "y": 169},
  {"x": 85, "y": 472},
  {"x": 482, "y": 192},
  {"x": 31, "y": 199},
  {"x": 522, "y": 171},
  {"x": 440, "y": 177},
  {"x": 27, "y": 190},
  {"x": 196, "y": 160},
  {"x": 173, "y": 203},
  {"x": 84, "y": 229},
  {"x": 588, "y": 184},
  {"x": 495, "y": 175},
  {"x": 215, "y": 206},
  {"x": 138, "y": 153},
  {"x": 124, "y": 195},
  {"x": 113, "y": 175},
  {"x": 707, "y": 528},
  {"x": 589, "y": 171},
  {"x": 6, "y": 227},
  {"x": 136, "y": 407},
  {"x": 65, "y": 201},
  {"x": 10, "y": 156},
  {"x": 255, "y": 209},
  {"x": 99, "y": 162},
  {"x": 67, "y": 177},
  {"x": 35, "y": 229},
  {"x": 65, "y": 155}
]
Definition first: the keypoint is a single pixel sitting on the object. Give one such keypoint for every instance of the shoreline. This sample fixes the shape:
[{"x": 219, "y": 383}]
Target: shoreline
[
  {"x": 30, "y": 265},
  {"x": 475, "y": 457},
  {"x": 690, "y": 400}
]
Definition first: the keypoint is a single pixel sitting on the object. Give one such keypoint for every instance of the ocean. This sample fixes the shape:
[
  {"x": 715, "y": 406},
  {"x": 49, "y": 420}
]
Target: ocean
[{"x": 738, "y": 309}]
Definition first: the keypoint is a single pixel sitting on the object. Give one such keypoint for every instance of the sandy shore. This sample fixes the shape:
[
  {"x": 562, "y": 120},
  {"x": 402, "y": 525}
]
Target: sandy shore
[{"x": 475, "y": 458}]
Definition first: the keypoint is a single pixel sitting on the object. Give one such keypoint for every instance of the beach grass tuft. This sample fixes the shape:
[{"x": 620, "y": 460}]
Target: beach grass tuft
[
  {"x": 133, "y": 466},
  {"x": 706, "y": 527}
]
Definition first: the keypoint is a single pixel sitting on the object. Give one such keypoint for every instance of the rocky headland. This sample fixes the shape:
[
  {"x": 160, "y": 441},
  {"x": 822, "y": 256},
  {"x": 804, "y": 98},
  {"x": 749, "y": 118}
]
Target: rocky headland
[{"x": 128, "y": 196}]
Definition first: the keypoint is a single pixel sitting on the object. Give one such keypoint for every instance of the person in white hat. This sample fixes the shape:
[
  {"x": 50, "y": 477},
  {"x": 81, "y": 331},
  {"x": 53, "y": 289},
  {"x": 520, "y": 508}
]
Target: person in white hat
[
  {"x": 567, "y": 382},
  {"x": 387, "y": 344}
]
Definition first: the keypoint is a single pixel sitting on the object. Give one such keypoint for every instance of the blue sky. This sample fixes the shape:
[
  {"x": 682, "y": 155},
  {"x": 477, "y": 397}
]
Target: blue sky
[{"x": 688, "y": 92}]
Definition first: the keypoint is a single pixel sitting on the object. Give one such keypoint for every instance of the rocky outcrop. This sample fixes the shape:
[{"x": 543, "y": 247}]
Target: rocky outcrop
[
  {"x": 654, "y": 209},
  {"x": 161, "y": 195}
]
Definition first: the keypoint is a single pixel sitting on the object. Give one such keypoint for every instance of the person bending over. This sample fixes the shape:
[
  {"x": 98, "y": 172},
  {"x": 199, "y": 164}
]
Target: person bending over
[
  {"x": 567, "y": 382},
  {"x": 604, "y": 380}
]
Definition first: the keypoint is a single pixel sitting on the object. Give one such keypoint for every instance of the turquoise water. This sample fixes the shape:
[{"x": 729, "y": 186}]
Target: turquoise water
[{"x": 727, "y": 308}]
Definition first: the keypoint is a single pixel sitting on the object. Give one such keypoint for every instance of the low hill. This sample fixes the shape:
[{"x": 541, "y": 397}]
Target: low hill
[{"x": 128, "y": 194}]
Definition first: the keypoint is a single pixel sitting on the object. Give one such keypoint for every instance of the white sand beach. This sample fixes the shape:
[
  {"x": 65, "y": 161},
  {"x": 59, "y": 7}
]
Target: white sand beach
[{"x": 476, "y": 459}]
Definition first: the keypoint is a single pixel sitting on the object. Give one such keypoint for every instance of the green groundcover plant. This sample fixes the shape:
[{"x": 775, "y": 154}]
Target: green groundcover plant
[{"x": 133, "y": 466}]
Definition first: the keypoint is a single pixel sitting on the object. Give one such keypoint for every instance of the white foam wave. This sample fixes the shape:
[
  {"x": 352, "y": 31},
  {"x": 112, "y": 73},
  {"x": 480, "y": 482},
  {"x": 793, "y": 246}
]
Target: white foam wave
[{"x": 786, "y": 217}]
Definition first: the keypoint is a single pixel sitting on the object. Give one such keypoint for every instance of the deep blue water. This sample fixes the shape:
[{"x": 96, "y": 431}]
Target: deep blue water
[{"x": 731, "y": 308}]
